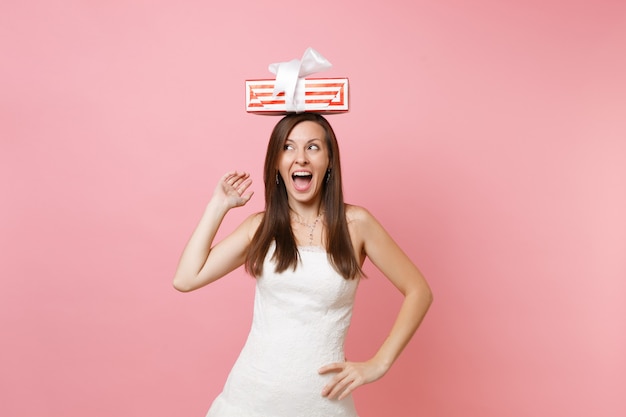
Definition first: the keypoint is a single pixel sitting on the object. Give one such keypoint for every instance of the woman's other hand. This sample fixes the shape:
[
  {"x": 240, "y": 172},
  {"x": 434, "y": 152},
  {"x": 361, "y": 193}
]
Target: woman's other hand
[{"x": 349, "y": 376}]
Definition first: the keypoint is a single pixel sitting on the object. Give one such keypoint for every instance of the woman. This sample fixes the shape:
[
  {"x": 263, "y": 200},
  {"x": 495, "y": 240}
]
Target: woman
[{"x": 306, "y": 251}]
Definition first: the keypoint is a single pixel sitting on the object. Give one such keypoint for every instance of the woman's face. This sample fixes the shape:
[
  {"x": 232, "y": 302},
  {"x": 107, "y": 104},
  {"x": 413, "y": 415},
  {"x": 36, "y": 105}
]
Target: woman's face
[{"x": 303, "y": 162}]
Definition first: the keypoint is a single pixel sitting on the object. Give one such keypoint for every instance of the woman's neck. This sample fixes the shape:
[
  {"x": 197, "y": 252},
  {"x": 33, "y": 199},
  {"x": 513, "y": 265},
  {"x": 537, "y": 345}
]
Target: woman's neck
[{"x": 305, "y": 214}]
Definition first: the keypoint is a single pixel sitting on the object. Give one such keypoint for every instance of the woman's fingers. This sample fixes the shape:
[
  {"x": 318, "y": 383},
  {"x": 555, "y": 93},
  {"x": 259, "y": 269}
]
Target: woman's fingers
[
  {"x": 243, "y": 185},
  {"x": 339, "y": 382},
  {"x": 338, "y": 387},
  {"x": 235, "y": 178},
  {"x": 332, "y": 367},
  {"x": 350, "y": 375},
  {"x": 233, "y": 188}
]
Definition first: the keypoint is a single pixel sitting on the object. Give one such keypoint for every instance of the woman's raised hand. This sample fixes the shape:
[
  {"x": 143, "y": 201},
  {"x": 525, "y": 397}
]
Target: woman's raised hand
[{"x": 232, "y": 189}]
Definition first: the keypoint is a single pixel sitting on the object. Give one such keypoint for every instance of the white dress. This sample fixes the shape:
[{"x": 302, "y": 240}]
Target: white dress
[{"x": 300, "y": 322}]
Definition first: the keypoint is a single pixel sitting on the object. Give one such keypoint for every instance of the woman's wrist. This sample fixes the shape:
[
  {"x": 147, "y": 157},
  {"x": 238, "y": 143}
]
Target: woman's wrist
[
  {"x": 218, "y": 207},
  {"x": 383, "y": 364}
]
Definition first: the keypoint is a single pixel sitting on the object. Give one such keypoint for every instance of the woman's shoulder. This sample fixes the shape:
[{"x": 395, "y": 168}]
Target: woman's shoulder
[
  {"x": 256, "y": 217},
  {"x": 251, "y": 223},
  {"x": 356, "y": 213},
  {"x": 360, "y": 222},
  {"x": 359, "y": 217}
]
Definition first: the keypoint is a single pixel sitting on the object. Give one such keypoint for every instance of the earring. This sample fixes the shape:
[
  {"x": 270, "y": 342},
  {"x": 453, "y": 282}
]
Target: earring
[
  {"x": 327, "y": 175},
  {"x": 277, "y": 180}
]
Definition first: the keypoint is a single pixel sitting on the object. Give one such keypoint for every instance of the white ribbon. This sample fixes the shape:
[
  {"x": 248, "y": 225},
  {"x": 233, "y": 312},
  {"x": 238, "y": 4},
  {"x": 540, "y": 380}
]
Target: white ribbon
[{"x": 290, "y": 77}]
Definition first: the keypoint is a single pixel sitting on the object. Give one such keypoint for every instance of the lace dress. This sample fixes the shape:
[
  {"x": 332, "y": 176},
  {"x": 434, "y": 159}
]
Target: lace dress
[{"x": 299, "y": 324}]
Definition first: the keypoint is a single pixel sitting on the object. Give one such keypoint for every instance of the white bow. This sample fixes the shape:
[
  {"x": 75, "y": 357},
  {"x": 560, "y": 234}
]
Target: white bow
[{"x": 290, "y": 77}]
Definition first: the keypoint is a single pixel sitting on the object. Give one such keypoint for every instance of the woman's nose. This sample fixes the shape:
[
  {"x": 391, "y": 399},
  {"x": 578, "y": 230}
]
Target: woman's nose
[{"x": 301, "y": 157}]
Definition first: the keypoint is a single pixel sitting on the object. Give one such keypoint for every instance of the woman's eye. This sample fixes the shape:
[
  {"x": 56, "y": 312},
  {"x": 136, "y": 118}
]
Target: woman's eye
[
  {"x": 288, "y": 147},
  {"x": 314, "y": 147}
]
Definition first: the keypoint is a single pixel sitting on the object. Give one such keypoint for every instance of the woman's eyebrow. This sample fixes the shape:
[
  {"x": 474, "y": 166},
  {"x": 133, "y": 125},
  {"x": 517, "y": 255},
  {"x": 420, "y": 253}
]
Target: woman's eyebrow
[{"x": 307, "y": 141}]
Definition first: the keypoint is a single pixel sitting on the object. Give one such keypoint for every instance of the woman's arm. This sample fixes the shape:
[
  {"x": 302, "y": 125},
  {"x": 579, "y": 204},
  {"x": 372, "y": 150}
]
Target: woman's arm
[
  {"x": 387, "y": 256},
  {"x": 200, "y": 263}
]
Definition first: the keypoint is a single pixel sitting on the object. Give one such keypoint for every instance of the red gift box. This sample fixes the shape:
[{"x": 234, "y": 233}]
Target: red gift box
[{"x": 322, "y": 95}]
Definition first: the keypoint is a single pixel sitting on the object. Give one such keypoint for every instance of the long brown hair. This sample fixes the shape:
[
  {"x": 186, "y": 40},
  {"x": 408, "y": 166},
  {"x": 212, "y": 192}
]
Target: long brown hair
[{"x": 276, "y": 223}]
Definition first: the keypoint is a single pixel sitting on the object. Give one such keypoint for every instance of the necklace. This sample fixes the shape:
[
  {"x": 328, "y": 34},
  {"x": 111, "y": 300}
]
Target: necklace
[{"x": 311, "y": 227}]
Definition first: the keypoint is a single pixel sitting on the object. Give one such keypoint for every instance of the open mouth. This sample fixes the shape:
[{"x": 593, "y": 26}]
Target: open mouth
[{"x": 301, "y": 179}]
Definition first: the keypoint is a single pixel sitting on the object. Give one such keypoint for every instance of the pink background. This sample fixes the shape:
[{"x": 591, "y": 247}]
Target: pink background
[{"x": 488, "y": 136}]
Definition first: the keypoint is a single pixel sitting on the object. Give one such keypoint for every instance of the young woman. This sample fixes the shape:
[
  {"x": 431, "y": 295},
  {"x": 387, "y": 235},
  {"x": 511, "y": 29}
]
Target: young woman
[{"x": 306, "y": 251}]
